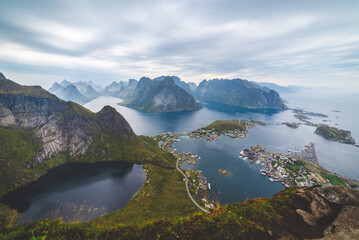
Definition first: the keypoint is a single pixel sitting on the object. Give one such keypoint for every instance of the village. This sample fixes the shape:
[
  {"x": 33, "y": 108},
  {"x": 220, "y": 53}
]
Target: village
[{"x": 296, "y": 169}]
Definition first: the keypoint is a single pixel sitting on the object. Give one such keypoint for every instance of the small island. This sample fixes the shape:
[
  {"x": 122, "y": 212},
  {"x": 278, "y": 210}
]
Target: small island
[
  {"x": 230, "y": 128},
  {"x": 306, "y": 113},
  {"x": 335, "y": 134},
  {"x": 301, "y": 117},
  {"x": 224, "y": 172},
  {"x": 291, "y": 124}
]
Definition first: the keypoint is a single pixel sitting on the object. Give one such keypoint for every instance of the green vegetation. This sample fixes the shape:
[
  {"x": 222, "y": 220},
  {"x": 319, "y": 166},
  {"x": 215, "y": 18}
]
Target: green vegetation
[
  {"x": 334, "y": 180},
  {"x": 17, "y": 147},
  {"x": 251, "y": 219},
  {"x": 162, "y": 197},
  {"x": 226, "y": 125},
  {"x": 335, "y": 134},
  {"x": 10, "y": 87}
]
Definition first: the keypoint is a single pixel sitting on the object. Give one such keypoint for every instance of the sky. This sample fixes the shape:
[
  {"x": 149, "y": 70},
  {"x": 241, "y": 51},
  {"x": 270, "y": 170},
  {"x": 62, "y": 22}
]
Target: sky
[{"x": 297, "y": 42}]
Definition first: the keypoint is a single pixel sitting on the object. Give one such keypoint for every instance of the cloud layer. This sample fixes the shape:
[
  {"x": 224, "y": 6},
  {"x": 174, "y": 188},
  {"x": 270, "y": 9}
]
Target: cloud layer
[{"x": 286, "y": 42}]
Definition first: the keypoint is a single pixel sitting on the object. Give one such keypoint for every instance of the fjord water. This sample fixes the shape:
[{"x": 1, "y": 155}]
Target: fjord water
[
  {"x": 244, "y": 181},
  {"x": 77, "y": 191},
  {"x": 275, "y": 137}
]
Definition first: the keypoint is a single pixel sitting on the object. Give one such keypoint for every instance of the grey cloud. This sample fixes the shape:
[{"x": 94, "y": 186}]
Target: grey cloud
[{"x": 282, "y": 40}]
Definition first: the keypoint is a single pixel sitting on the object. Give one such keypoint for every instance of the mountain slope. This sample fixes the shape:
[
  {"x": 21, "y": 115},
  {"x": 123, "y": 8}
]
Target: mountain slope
[
  {"x": 61, "y": 126},
  {"x": 39, "y": 132},
  {"x": 160, "y": 96},
  {"x": 238, "y": 92}
]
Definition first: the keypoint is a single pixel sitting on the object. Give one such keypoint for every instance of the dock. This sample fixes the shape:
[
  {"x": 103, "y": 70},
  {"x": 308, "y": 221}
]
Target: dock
[{"x": 314, "y": 154}]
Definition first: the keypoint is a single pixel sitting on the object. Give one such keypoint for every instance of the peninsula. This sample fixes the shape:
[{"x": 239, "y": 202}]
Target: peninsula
[{"x": 297, "y": 169}]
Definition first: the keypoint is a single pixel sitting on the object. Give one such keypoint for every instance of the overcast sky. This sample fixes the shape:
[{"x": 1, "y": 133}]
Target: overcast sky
[{"x": 285, "y": 42}]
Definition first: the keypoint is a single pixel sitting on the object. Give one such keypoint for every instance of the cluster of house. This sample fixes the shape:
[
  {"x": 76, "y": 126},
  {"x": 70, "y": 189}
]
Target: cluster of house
[{"x": 282, "y": 168}]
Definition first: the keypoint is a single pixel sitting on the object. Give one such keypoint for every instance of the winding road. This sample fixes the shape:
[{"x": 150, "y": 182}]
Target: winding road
[
  {"x": 178, "y": 169},
  {"x": 189, "y": 194}
]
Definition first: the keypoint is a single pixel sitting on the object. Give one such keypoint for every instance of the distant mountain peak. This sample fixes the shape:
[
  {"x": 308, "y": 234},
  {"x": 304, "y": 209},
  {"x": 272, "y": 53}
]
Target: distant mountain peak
[{"x": 65, "y": 83}]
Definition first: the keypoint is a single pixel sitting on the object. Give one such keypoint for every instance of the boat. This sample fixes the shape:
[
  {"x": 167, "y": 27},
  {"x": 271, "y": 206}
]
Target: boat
[
  {"x": 209, "y": 186},
  {"x": 271, "y": 179},
  {"x": 258, "y": 161},
  {"x": 263, "y": 164},
  {"x": 263, "y": 173}
]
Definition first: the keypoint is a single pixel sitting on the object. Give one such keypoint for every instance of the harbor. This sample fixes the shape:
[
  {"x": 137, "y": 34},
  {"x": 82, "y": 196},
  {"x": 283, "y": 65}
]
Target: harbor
[{"x": 296, "y": 169}]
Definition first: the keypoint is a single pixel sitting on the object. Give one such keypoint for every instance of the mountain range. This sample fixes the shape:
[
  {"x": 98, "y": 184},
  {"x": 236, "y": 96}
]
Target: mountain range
[
  {"x": 236, "y": 92},
  {"x": 80, "y": 92}
]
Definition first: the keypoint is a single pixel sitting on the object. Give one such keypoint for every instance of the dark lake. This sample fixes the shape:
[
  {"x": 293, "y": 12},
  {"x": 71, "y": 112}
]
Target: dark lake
[{"x": 77, "y": 191}]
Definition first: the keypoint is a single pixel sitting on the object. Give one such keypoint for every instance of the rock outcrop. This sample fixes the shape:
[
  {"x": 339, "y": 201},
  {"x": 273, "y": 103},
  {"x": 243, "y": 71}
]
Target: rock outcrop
[
  {"x": 61, "y": 126},
  {"x": 328, "y": 210}
]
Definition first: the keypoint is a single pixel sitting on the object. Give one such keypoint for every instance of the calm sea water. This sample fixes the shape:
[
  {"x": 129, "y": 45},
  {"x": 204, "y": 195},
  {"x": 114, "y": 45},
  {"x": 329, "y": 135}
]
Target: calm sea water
[
  {"x": 77, "y": 191},
  {"x": 337, "y": 157},
  {"x": 245, "y": 180}
]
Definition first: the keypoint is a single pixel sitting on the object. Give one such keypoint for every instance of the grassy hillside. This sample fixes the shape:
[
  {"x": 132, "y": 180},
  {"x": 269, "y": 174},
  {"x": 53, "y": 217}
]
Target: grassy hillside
[
  {"x": 226, "y": 125},
  {"x": 9, "y": 87},
  {"x": 249, "y": 220}
]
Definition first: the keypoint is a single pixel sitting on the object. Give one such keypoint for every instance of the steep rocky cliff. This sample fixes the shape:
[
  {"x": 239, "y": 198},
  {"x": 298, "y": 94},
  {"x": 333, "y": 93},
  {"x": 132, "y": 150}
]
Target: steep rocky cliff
[
  {"x": 238, "y": 92},
  {"x": 161, "y": 96},
  {"x": 61, "y": 126}
]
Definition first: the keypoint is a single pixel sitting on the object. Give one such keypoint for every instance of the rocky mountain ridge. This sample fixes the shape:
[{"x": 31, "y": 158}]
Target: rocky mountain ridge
[
  {"x": 238, "y": 92},
  {"x": 61, "y": 126}
]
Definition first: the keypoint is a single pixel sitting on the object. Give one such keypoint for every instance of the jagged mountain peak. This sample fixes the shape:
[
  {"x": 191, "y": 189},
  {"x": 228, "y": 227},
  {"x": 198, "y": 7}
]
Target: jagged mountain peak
[
  {"x": 161, "y": 96},
  {"x": 65, "y": 83},
  {"x": 115, "y": 122}
]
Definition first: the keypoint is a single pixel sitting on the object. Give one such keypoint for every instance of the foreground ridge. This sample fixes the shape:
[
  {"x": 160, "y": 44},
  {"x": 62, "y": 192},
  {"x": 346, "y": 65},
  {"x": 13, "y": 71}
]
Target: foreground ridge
[{"x": 293, "y": 213}]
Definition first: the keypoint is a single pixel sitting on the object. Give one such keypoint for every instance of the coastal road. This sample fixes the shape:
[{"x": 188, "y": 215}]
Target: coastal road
[
  {"x": 189, "y": 194},
  {"x": 178, "y": 169}
]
